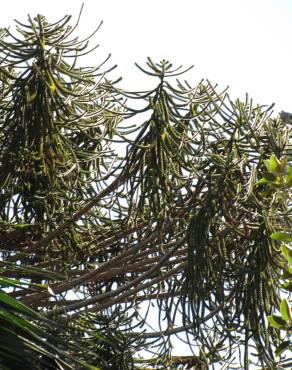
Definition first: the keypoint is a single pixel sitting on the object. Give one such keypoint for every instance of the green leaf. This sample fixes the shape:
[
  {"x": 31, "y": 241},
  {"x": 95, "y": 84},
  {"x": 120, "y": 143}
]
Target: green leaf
[
  {"x": 4, "y": 281},
  {"x": 285, "y": 237},
  {"x": 287, "y": 252},
  {"x": 282, "y": 347},
  {"x": 14, "y": 320},
  {"x": 288, "y": 177},
  {"x": 21, "y": 226},
  {"x": 287, "y": 286},
  {"x": 16, "y": 305},
  {"x": 277, "y": 321},
  {"x": 285, "y": 310},
  {"x": 268, "y": 178},
  {"x": 273, "y": 165},
  {"x": 283, "y": 165}
]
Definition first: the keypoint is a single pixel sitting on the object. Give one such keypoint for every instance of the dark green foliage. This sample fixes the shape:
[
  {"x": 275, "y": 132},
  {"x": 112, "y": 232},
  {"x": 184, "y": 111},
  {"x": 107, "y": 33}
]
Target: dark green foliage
[
  {"x": 55, "y": 119},
  {"x": 180, "y": 220}
]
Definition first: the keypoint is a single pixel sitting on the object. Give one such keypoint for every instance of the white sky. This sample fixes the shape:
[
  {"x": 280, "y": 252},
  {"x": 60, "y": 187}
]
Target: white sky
[{"x": 245, "y": 44}]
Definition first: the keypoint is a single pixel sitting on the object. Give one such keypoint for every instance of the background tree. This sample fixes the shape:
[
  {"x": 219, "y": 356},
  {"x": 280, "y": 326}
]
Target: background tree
[{"x": 179, "y": 220}]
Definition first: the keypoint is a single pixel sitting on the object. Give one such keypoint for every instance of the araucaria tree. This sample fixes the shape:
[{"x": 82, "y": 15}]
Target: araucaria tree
[{"x": 111, "y": 215}]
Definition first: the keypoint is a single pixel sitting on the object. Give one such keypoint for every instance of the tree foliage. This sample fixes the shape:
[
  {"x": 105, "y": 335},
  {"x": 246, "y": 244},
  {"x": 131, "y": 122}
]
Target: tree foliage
[
  {"x": 279, "y": 181},
  {"x": 114, "y": 201}
]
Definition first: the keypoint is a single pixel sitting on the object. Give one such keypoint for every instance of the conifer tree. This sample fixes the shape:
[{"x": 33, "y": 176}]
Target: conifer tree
[{"x": 106, "y": 208}]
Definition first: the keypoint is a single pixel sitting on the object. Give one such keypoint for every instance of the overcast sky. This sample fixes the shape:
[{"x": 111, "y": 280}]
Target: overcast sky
[{"x": 245, "y": 44}]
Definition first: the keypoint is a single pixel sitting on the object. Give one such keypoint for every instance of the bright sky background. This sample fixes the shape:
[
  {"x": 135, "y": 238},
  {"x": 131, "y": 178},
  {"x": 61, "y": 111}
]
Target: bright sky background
[{"x": 245, "y": 44}]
